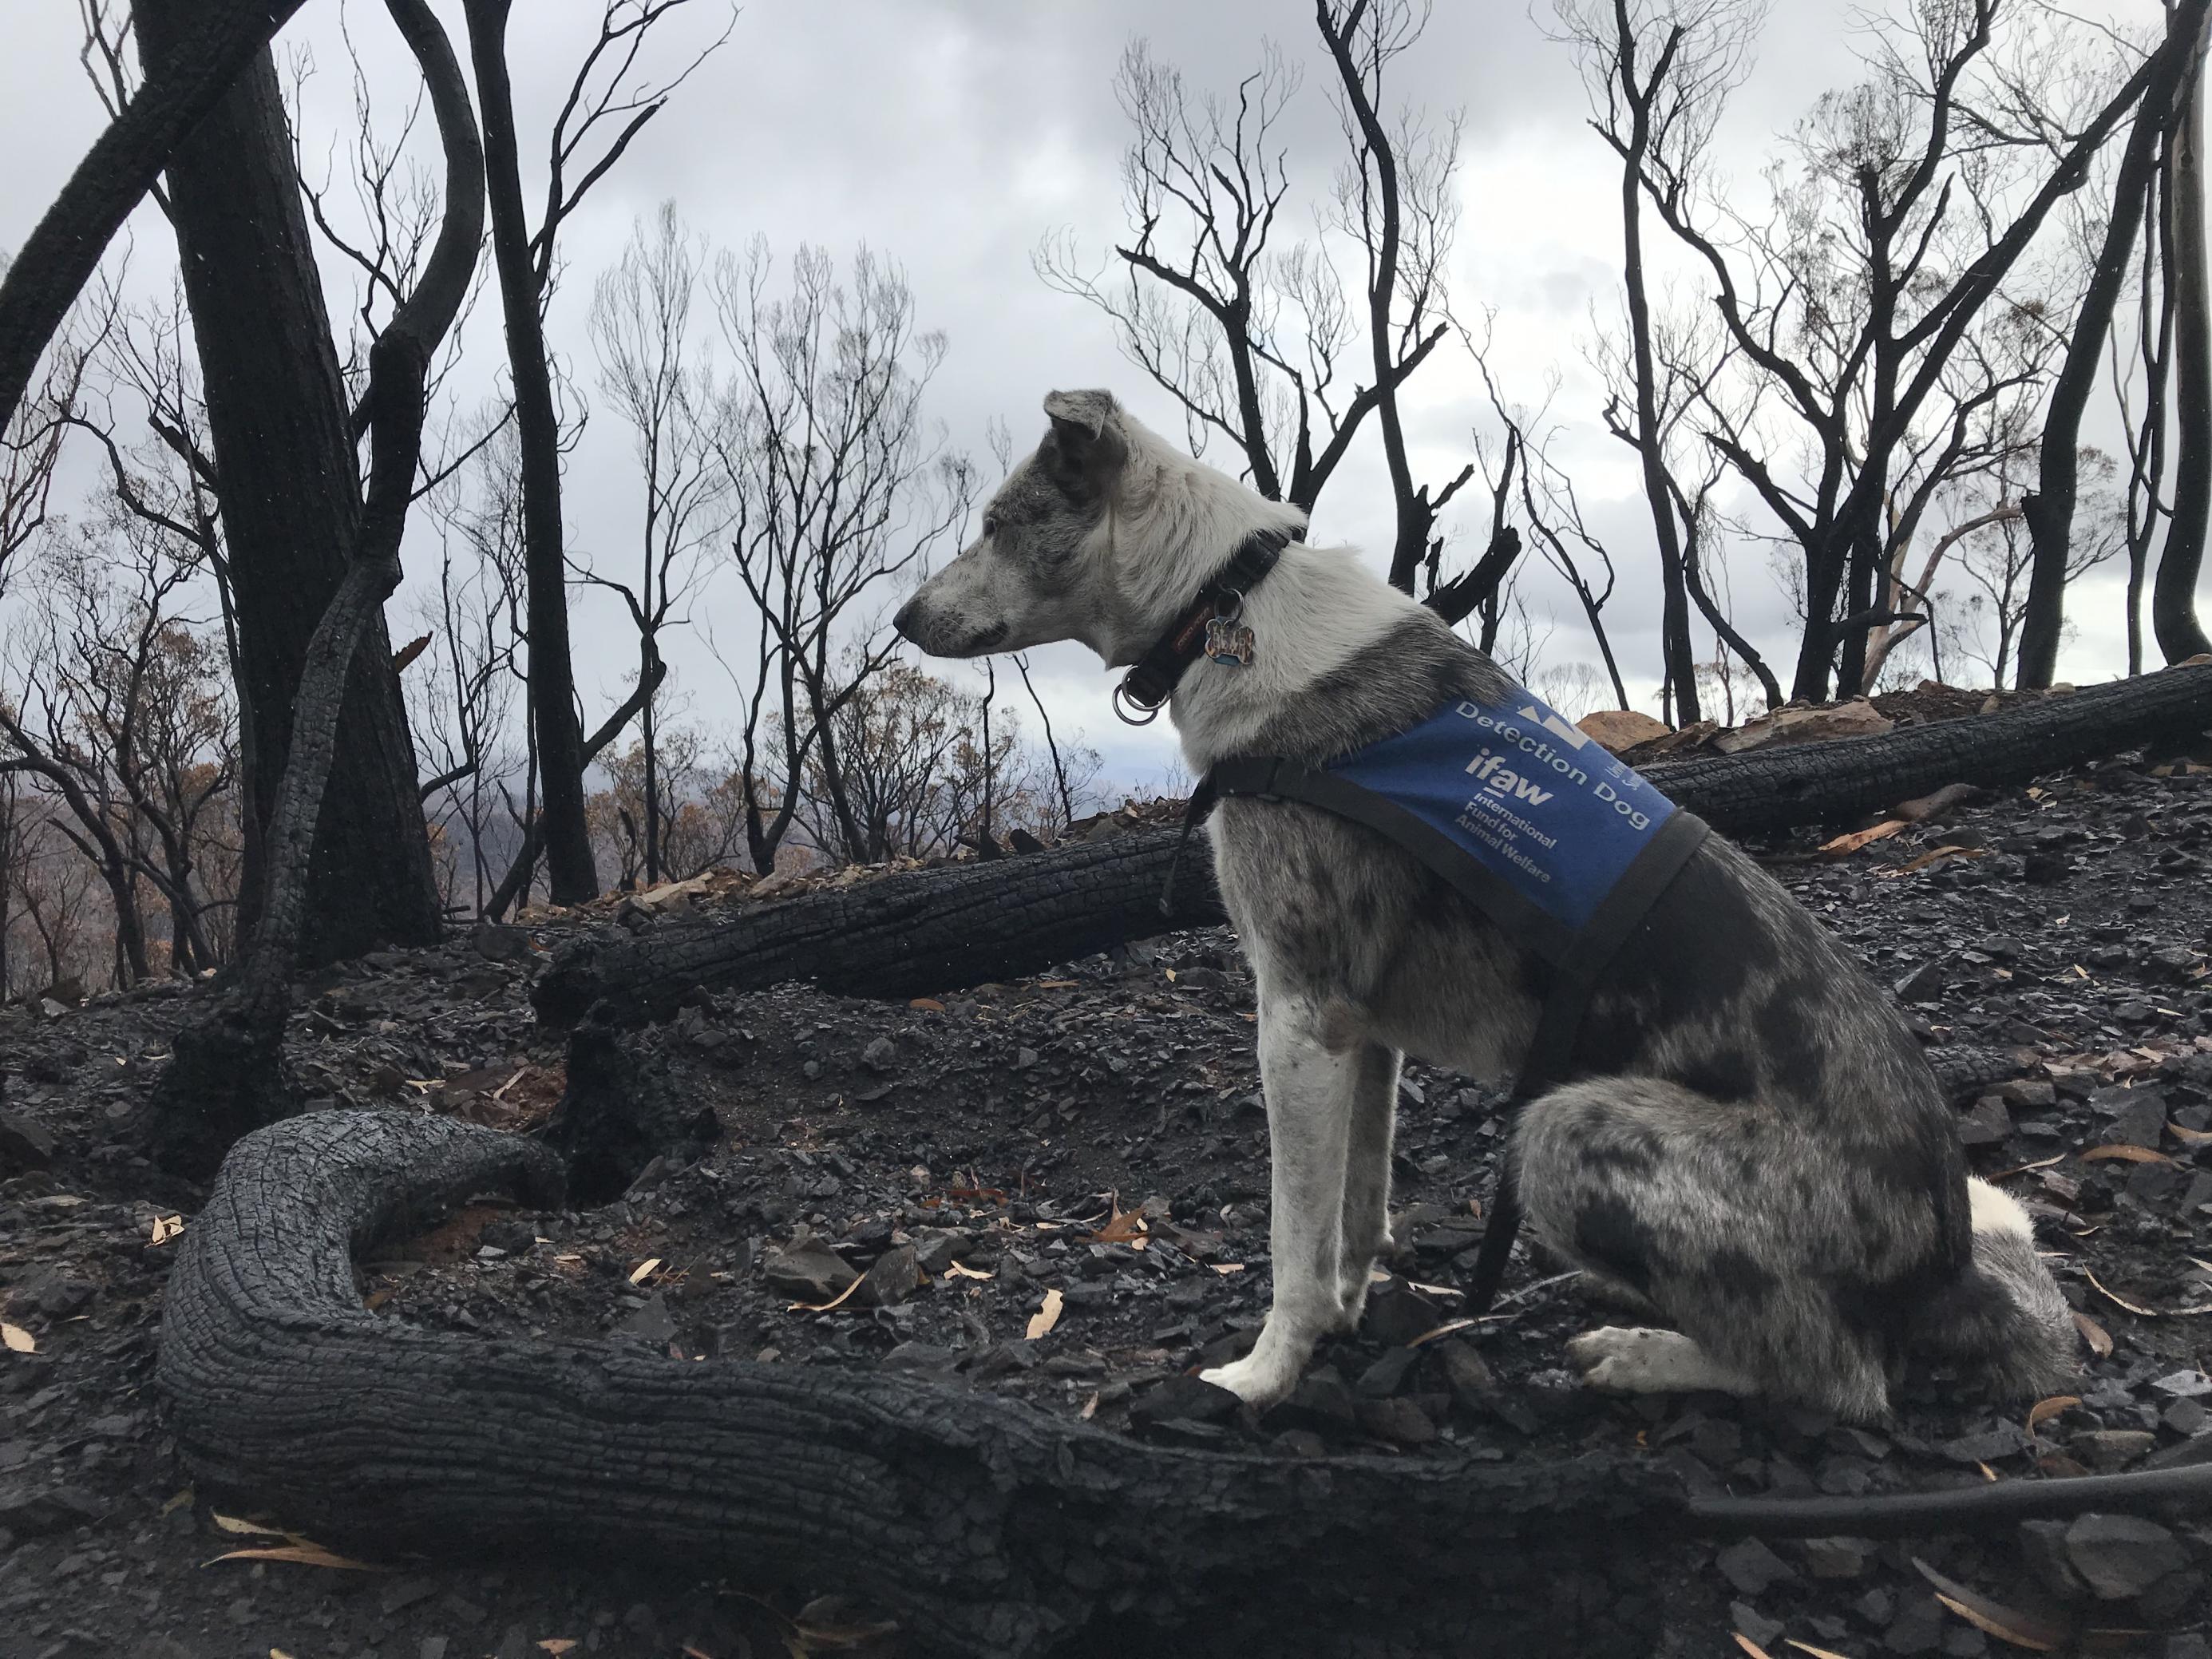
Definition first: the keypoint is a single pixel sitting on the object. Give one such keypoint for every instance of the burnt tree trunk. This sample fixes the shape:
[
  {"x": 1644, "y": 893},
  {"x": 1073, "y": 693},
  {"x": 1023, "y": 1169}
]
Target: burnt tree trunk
[
  {"x": 55, "y": 262},
  {"x": 933, "y": 930},
  {"x": 2049, "y": 510},
  {"x": 2173, "y": 619},
  {"x": 561, "y": 759},
  {"x": 985, "y": 1526},
  {"x": 225, "y": 1074},
  {"x": 291, "y": 509}
]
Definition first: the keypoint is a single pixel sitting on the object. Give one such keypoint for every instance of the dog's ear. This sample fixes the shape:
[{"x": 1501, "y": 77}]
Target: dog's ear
[{"x": 1085, "y": 448}]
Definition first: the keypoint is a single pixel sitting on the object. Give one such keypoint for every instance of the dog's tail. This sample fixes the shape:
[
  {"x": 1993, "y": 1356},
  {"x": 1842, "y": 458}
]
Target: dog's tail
[{"x": 2003, "y": 1317}]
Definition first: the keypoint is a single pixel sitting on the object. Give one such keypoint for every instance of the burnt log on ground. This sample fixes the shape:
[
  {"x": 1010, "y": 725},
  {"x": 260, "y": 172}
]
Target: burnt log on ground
[
  {"x": 935, "y": 930},
  {"x": 984, "y": 1526}
]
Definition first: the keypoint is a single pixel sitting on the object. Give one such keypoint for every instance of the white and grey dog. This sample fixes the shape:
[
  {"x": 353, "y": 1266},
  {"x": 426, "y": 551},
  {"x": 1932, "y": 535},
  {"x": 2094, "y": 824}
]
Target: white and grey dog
[{"x": 1757, "y": 1154}]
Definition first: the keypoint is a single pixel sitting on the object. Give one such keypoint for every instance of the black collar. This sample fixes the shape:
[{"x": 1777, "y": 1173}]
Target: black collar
[{"x": 1149, "y": 684}]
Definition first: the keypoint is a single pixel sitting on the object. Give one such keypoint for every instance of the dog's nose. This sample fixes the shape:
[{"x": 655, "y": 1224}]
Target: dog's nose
[{"x": 910, "y": 616}]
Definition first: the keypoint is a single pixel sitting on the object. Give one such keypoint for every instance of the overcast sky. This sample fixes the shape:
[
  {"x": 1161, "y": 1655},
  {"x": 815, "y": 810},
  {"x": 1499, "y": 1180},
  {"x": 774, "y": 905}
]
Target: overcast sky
[{"x": 951, "y": 136}]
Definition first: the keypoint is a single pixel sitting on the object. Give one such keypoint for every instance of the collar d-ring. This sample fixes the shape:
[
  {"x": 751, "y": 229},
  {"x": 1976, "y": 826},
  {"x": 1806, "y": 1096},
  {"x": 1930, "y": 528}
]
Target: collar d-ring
[{"x": 1125, "y": 699}]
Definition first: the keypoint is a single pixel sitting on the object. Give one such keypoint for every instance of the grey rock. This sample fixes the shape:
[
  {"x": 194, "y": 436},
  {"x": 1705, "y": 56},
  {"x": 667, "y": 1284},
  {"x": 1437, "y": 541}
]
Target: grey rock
[
  {"x": 895, "y": 1277},
  {"x": 31, "y": 1512},
  {"x": 1182, "y": 1399},
  {"x": 1752, "y": 1567},
  {"x": 2120, "y": 1556},
  {"x": 1924, "y": 984},
  {"x": 2106, "y": 1449},
  {"x": 807, "y": 1274},
  {"x": 24, "y": 1144},
  {"x": 1837, "y": 1558},
  {"x": 2183, "y": 1385},
  {"x": 652, "y": 1323},
  {"x": 1918, "y": 1627},
  {"x": 494, "y": 943},
  {"x": 1396, "y": 1314},
  {"x": 1387, "y": 1374},
  {"x": 1399, "y": 1421},
  {"x": 1465, "y": 1373},
  {"x": 1986, "y": 1124},
  {"x": 881, "y": 1056},
  {"x": 1322, "y": 1402},
  {"x": 1755, "y": 1623}
]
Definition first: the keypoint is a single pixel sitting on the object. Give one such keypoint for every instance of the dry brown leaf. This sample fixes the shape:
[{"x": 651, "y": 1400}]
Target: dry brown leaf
[
  {"x": 1844, "y": 846},
  {"x": 1991, "y": 1618},
  {"x": 1123, "y": 1227},
  {"x": 2044, "y": 1410},
  {"x": 1227, "y": 1268},
  {"x": 557, "y": 1645},
  {"x": 1058, "y": 984},
  {"x": 2112, "y": 1295},
  {"x": 2190, "y": 1137},
  {"x": 178, "y": 1500},
  {"x": 307, "y": 1555},
  {"x": 1807, "y": 1647},
  {"x": 960, "y": 1270},
  {"x": 1443, "y": 1330},
  {"x": 1750, "y": 1646},
  {"x": 18, "y": 1340},
  {"x": 1090, "y": 1408},
  {"x": 1936, "y": 856},
  {"x": 2100, "y": 1341},
  {"x": 2130, "y": 1154},
  {"x": 165, "y": 1228},
  {"x": 248, "y": 1528},
  {"x": 640, "y": 1272},
  {"x": 927, "y": 1005},
  {"x": 1047, "y": 1317},
  {"x": 835, "y": 1301},
  {"x": 278, "y": 1653}
]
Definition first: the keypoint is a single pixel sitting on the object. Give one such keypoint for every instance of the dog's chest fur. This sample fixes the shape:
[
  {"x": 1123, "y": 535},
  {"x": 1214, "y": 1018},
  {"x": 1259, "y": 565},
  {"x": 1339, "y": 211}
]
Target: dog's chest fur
[{"x": 1729, "y": 987}]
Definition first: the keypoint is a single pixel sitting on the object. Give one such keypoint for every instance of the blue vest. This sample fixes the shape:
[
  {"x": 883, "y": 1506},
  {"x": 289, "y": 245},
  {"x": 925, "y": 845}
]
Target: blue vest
[{"x": 1552, "y": 837}]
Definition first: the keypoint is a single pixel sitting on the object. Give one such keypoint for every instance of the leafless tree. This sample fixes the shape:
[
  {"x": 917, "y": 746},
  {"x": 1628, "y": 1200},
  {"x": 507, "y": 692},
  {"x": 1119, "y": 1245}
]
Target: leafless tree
[
  {"x": 1901, "y": 211},
  {"x": 2173, "y": 619},
  {"x": 652, "y": 371},
  {"x": 604, "y": 110},
  {"x": 1256, "y": 341},
  {"x": 839, "y": 489},
  {"x": 1657, "y": 73}
]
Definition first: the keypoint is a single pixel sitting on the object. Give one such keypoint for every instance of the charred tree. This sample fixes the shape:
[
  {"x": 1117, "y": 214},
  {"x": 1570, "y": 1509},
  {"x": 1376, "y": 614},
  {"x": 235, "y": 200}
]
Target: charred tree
[
  {"x": 560, "y": 739},
  {"x": 930, "y": 930},
  {"x": 292, "y": 509},
  {"x": 2173, "y": 619},
  {"x": 985, "y": 1526},
  {"x": 225, "y": 1074},
  {"x": 53, "y": 264},
  {"x": 2049, "y": 510}
]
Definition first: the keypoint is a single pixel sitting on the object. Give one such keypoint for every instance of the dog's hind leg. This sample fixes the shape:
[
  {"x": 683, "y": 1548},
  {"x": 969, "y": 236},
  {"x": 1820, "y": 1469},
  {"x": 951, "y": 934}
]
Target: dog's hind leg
[
  {"x": 1743, "y": 1234},
  {"x": 1366, "y": 1224},
  {"x": 1310, "y": 1084}
]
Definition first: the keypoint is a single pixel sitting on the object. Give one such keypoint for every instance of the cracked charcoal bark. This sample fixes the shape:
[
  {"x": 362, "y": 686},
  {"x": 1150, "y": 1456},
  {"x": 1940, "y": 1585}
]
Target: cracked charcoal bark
[
  {"x": 985, "y": 1526},
  {"x": 934, "y": 930}
]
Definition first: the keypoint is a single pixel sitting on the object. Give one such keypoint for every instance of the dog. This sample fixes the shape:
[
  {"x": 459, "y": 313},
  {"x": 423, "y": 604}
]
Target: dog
[{"x": 1755, "y": 1157}]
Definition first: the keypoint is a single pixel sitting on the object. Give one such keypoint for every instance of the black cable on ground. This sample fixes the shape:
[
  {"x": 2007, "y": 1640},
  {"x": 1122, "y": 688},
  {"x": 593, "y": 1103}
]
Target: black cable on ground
[{"x": 1961, "y": 1509}]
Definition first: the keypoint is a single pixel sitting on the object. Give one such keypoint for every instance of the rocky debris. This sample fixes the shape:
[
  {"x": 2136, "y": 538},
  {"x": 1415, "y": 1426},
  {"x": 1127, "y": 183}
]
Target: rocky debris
[
  {"x": 1620, "y": 730},
  {"x": 807, "y": 1274},
  {"x": 24, "y": 1144},
  {"x": 1097, "y": 1132},
  {"x": 2121, "y": 1556},
  {"x": 1797, "y": 723}
]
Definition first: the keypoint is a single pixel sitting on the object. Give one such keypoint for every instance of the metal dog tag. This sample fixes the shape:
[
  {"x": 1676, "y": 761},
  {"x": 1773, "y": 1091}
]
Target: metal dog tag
[{"x": 1229, "y": 642}]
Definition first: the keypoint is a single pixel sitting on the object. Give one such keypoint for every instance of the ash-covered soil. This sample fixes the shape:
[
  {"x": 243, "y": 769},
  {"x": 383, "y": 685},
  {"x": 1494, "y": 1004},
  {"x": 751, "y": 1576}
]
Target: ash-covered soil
[{"x": 1084, "y": 1156}]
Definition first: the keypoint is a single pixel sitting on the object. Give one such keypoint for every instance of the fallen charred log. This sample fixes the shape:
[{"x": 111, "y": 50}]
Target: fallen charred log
[
  {"x": 935, "y": 930},
  {"x": 986, "y": 1527}
]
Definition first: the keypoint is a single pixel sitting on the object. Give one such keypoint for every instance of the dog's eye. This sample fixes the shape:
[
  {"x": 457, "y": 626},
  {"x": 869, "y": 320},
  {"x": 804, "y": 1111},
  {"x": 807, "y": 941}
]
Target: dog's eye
[{"x": 990, "y": 524}]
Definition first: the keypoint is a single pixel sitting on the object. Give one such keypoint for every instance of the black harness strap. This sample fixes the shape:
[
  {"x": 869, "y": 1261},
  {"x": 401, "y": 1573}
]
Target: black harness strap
[{"x": 1577, "y": 958}]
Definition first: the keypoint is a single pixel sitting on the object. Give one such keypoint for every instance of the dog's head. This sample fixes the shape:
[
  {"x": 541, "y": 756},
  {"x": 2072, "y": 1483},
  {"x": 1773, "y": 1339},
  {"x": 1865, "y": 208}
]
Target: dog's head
[{"x": 1038, "y": 571}]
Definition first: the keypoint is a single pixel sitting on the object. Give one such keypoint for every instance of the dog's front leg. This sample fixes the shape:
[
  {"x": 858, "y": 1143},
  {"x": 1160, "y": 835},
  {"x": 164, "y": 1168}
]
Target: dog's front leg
[
  {"x": 1311, "y": 1089},
  {"x": 1367, "y": 1174}
]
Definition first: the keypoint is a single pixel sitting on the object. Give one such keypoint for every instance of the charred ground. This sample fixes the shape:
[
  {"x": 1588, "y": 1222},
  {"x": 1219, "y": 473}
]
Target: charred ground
[{"x": 960, "y": 1158}]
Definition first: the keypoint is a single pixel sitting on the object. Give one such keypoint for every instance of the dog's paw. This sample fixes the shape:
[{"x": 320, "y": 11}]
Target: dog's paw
[
  {"x": 1629, "y": 1359},
  {"x": 1254, "y": 1380}
]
